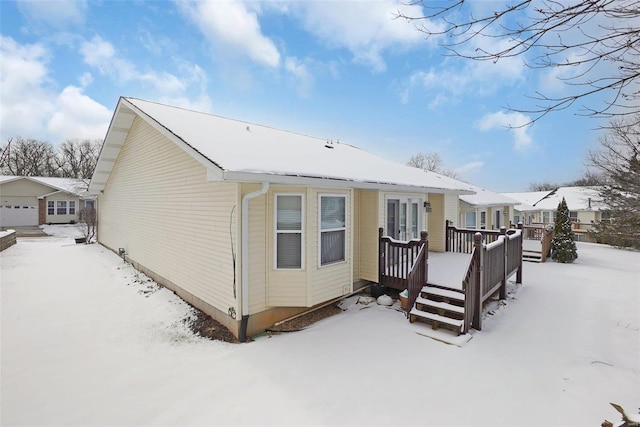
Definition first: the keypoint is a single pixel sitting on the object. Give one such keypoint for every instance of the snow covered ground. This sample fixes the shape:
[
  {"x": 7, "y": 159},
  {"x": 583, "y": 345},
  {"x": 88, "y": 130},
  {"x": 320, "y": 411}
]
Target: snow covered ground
[{"x": 87, "y": 341}]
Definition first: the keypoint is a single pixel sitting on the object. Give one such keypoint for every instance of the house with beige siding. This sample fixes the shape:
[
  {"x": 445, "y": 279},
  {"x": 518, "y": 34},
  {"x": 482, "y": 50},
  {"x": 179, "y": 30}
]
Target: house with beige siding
[
  {"x": 34, "y": 200},
  {"x": 486, "y": 210},
  {"x": 253, "y": 224}
]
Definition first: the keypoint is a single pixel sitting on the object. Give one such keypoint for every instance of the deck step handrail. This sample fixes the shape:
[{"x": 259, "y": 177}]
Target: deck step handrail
[
  {"x": 489, "y": 268},
  {"x": 403, "y": 262},
  {"x": 418, "y": 275}
]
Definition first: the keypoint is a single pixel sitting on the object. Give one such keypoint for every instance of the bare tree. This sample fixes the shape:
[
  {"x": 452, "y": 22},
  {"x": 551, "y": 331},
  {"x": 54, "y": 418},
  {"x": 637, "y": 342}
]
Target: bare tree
[
  {"x": 30, "y": 157},
  {"x": 77, "y": 158},
  {"x": 618, "y": 157},
  {"x": 88, "y": 223},
  {"x": 589, "y": 178},
  {"x": 430, "y": 162},
  {"x": 597, "y": 42},
  {"x": 543, "y": 186}
]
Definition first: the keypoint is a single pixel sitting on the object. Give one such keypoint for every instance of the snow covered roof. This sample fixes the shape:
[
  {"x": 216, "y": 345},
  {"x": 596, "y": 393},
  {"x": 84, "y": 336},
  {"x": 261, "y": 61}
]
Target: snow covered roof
[
  {"x": 530, "y": 198},
  {"x": 237, "y": 151},
  {"x": 577, "y": 198},
  {"x": 527, "y": 200},
  {"x": 484, "y": 197},
  {"x": 69, "y": 185}
]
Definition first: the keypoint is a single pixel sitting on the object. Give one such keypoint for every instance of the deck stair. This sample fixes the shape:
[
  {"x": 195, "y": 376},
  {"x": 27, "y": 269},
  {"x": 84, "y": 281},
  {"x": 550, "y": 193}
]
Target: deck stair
[
  {"x": 439, "y": 307},
  {"x": 532, "y": 256}
]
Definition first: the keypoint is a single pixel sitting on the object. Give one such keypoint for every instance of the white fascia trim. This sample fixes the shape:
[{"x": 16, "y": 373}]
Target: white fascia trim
[
  {"x": 212, "y": 169},
  {"x": 52, "y": 193},
  {"x": 252, "y": 177}
]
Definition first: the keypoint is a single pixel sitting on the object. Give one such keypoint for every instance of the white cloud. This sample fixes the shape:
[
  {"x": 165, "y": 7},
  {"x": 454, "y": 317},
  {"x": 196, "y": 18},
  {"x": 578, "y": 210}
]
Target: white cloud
[
  {"x": 98, "y": 53},
  {"x": 455, "y": 77},
  {"x": 86, "y": 79},
  {"x": 102, "y": 55},
  {"x": 78, "y": 116},
  {"x": 32, "y": 108},
  {"x": 232, "y": 28},
  {"x": 300, "y": 72},
  {"x": 366, "y": 29},
  {"x": 58, "y": 14},
  {"x": 516, "y": 123},
  {"x": 469, "y": 167},
  {"x": 26, "y": 100}
]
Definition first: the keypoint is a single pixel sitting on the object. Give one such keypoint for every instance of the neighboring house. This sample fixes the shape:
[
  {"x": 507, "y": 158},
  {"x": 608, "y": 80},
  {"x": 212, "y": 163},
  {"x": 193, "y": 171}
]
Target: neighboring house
[
  {"x": 32, "y": 200},
  {"x": 584, "y": 206},
  {"x": 526, "y": 211},
  {"x": 486, "y": 210},
  {"x": 252, "y": 224}
]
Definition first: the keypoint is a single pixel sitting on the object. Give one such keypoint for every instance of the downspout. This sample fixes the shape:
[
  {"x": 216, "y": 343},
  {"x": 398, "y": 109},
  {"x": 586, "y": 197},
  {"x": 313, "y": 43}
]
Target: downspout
[{"x": 242, "y": 335}]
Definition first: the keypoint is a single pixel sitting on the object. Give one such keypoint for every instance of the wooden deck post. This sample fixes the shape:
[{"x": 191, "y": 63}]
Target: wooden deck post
[
  {"x": 519, "y": 272},
  {"x": 477, "y": 304},
  {"x": 503, "y": 285},
  {"x": 381, "y": 263},
  {"x": 424, "y": 242},
  {"x": 446, "y": 236}
]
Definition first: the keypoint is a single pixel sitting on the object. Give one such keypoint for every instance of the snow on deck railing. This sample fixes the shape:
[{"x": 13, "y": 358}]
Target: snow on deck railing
[
  {"x": 489, "y": 268},
  {"x": 398, "y": 259}
]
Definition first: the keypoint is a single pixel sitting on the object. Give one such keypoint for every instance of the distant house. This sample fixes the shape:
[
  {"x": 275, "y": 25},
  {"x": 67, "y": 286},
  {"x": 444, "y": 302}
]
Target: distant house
[
  {"x": 252, "y": 224},
  {"x": 486, "y": 209},
  {"x": 525, "y": 211},
  {"x": 584, "y": 204},
  {"x": 32, "y": 201}
]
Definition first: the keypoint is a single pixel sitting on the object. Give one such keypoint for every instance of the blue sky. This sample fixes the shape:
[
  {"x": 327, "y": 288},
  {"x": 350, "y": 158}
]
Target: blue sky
[{"x": 339, "y": 70}]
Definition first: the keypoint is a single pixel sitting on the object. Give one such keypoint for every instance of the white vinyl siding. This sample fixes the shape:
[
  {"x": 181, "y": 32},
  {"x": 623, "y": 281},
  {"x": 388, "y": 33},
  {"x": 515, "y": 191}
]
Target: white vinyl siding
[
  {"x": 159, "y": 207},
  {"x": 437, "y": 222},
  {"x": 258, "y": 230},
  {"x": 368, "y": 220}
]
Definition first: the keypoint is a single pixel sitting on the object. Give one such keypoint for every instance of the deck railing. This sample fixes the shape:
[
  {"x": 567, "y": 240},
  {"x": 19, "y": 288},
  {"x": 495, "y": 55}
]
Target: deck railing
[
  {"x": 545, "y": 241},
  {"x": 461, "y": 239},
  {"x": 403, "y": 265},
  {"x": 541, "y": 232},
  {"x": 470, "y": 287},
  {"x": 489, "y": 268},
  {"x": 418, "y": 274}
]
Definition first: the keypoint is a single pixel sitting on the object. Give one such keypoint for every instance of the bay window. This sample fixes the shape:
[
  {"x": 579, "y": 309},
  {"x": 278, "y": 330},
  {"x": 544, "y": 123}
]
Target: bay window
[
  {"x": 333, "y": 229},
  {"x": 289, "y": 226}
]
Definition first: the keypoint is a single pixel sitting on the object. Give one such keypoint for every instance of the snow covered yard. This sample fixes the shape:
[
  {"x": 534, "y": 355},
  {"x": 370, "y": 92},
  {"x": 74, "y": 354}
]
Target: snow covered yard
[{"x": 87, "y": 341}]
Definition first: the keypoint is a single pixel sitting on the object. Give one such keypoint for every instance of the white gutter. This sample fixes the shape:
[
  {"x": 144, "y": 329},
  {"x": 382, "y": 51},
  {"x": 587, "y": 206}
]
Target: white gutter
[{"x": 245, "y": 258}]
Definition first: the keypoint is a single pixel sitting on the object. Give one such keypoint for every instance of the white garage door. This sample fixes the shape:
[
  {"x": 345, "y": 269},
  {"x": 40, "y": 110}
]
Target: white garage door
[{"x": 17, "y": 216}]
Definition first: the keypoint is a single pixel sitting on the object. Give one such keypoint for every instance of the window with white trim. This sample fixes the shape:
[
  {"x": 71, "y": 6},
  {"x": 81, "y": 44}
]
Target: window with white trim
[
  {"x": 333, "y": 229},
  {"x": 61, "y": 207},
  {"x": 72, "y": 207},
  {"x": 483, "y": 220},
  {"x": 545, "y": 217},
  {"x": 573, "y": 215},
  {"x": 470, "y": 219},
  {"x": 51, "y": 207},
  {"x": 289, "y": 226}
]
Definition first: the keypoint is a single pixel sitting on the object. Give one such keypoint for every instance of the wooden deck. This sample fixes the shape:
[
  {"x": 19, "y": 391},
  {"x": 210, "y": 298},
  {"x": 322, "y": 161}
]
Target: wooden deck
[{"x": 447, "y": 269}]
